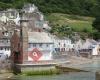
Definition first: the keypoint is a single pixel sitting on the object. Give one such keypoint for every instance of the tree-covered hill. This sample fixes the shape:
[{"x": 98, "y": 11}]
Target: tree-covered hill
[
  {"x": 64, "y": 12},
  {"x": 80, "y": 7}
]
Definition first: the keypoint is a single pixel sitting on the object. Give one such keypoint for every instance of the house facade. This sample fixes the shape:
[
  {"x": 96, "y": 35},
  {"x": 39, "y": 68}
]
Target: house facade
[
  {"x": 5, "y": 45},
  {"x": 6, "y": 31},
  {"x": 63, "y": 45},
  {"x": 30, "y": 40},
  {"x": 10, "y": 15},
  {"x": 87, "y": 48},
  {"x": 42, "y": 42},
  {"x": 30, "y": 11}
]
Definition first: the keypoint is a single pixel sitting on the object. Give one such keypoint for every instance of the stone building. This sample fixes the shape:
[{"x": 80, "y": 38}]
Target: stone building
[
  {"x": 26, "y": 44},
  {"x": 41, "y": 41},
  {"x": 35, "y": 17}
]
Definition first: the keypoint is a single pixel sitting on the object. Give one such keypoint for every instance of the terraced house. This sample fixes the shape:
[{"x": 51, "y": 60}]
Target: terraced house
[{"x": 6, "y": 31}]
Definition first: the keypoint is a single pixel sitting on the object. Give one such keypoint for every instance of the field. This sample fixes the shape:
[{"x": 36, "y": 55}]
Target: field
[{"x": 78, "y": 23}]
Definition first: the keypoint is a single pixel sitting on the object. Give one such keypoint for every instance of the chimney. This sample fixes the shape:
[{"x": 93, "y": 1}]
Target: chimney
[
  {"x": 24, "y": 23},
  {"x": 24, "y": 20}
]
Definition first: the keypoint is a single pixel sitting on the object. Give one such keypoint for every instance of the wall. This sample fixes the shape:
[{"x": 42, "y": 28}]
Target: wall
[
  {"x": 63, "y": 45},
  {"x": 45, "y": 49}
]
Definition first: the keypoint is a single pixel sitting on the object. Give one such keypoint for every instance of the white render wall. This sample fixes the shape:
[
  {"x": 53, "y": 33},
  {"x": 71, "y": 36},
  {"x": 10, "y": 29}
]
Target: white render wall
[
  {"x": 6, "y": 52},
  {"x": 65, "y": 43},
  {"x": 47, "y": 51},
  {"x": 95, "y": 50},
  {"x": 7, "y": 16}
]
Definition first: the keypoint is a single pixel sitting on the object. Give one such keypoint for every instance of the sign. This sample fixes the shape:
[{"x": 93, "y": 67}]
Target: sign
[{"x": 35, "y": 54}]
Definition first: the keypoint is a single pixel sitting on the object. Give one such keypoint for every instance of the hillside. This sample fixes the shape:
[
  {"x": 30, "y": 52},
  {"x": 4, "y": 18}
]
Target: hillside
[
  {"x": 77, "y": 23},
  {"x": 65, "y": 12},
  {"x": 79, "y": 7}
]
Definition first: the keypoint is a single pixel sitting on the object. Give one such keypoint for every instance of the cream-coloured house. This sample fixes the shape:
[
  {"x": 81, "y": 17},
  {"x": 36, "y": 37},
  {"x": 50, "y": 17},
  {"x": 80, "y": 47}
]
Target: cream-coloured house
[
  {"x": 87, "y": 47},
  {"x": 63, "y": 45}
]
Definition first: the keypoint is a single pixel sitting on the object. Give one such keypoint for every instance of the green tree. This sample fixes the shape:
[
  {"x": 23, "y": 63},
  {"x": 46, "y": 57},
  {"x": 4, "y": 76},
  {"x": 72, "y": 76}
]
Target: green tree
[
  {"x": 61, "y": 30},
  {"x": 79, "y": 7},
  {"x": 96, "y": 23},
  {"x": 96, "y": 35}
]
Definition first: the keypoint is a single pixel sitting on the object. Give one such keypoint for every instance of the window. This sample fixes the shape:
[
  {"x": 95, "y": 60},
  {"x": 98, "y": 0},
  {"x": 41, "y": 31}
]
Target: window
[
  {"x": 5, "y": 49},
  {"x": 34, "y": 45},
  {"x": 40, "y": 45},
  {"x": 1, "y": 48},
  {"x": 29, "y": 45},
  {"x": 8, "y": 49},
  {"x": 59, "y": 43},
  {"x": 12, "y": 14},
  {"x": 8, "y": 40},
  {"x": 47, "y": 45},
  {"x": 62, "y": 49},
  {"x": 64, "y": 45},
  {"x": 2, "y": 41},
  {"x": 10, "y": 33},
  {"x": 56, "y": 49}
]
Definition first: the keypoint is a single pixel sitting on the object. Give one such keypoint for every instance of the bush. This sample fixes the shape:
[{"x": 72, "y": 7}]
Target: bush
[{"x": 41, "y": 72}]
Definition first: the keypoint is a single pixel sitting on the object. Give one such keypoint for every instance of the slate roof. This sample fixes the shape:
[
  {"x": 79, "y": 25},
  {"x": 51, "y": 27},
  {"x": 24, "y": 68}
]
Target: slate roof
[{"x": 39, "y": 37}]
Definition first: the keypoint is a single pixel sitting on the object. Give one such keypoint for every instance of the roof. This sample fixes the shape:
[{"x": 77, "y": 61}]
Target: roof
[
  {"x": 39, "y": 37},
  {"x": 92, "y": 41},
  {"x": 82, "y": 41},
  {"x": 59, "y": 38},
  {"x": 5, "y": 44}
]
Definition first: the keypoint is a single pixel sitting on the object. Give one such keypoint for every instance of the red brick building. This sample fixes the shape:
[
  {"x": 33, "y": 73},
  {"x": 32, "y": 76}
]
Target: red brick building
[
  {"x": 16, "y": 48},
  {"x": 19, "y": 44}
]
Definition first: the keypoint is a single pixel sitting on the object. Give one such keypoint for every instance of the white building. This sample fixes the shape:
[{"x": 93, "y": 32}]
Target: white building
[
  {"x": 63, "y": 45},
  {"x": 29, "y": 8},
  {"x": 88, "y": 46},
  {"x": 32, "y": 9},
  {"x": 4, "y": 45},
  {"x": 79, "y": 45},
  {"x": 10, "y": 15},
  {"x": 29, "y": 11},
  {"x": 42, "y": 42},
  {"x": 42, "y": 24}
]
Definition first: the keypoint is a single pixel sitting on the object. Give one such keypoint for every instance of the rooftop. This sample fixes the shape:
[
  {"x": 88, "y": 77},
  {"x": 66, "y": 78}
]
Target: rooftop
[{"x": 39, "y": 37}]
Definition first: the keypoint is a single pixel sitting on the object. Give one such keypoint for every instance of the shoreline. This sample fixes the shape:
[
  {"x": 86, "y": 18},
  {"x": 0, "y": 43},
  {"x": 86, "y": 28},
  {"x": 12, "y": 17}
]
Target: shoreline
[
  {"x": 76, "y": 64},
  {"x": 74, "y": 61},
  {"x": 6, "y": 75}
]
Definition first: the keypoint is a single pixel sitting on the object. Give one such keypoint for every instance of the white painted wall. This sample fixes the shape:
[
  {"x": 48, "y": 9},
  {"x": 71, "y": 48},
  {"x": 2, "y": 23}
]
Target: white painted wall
[
  {"x": 47, "y": 51},
  {"x": 29, "y": 8},
  {"x": 6, "y": 52},
  {"x": 5, "y": 17},
  {"x": 95, "y": 50},
  {"x": 65, "y": 43}
]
